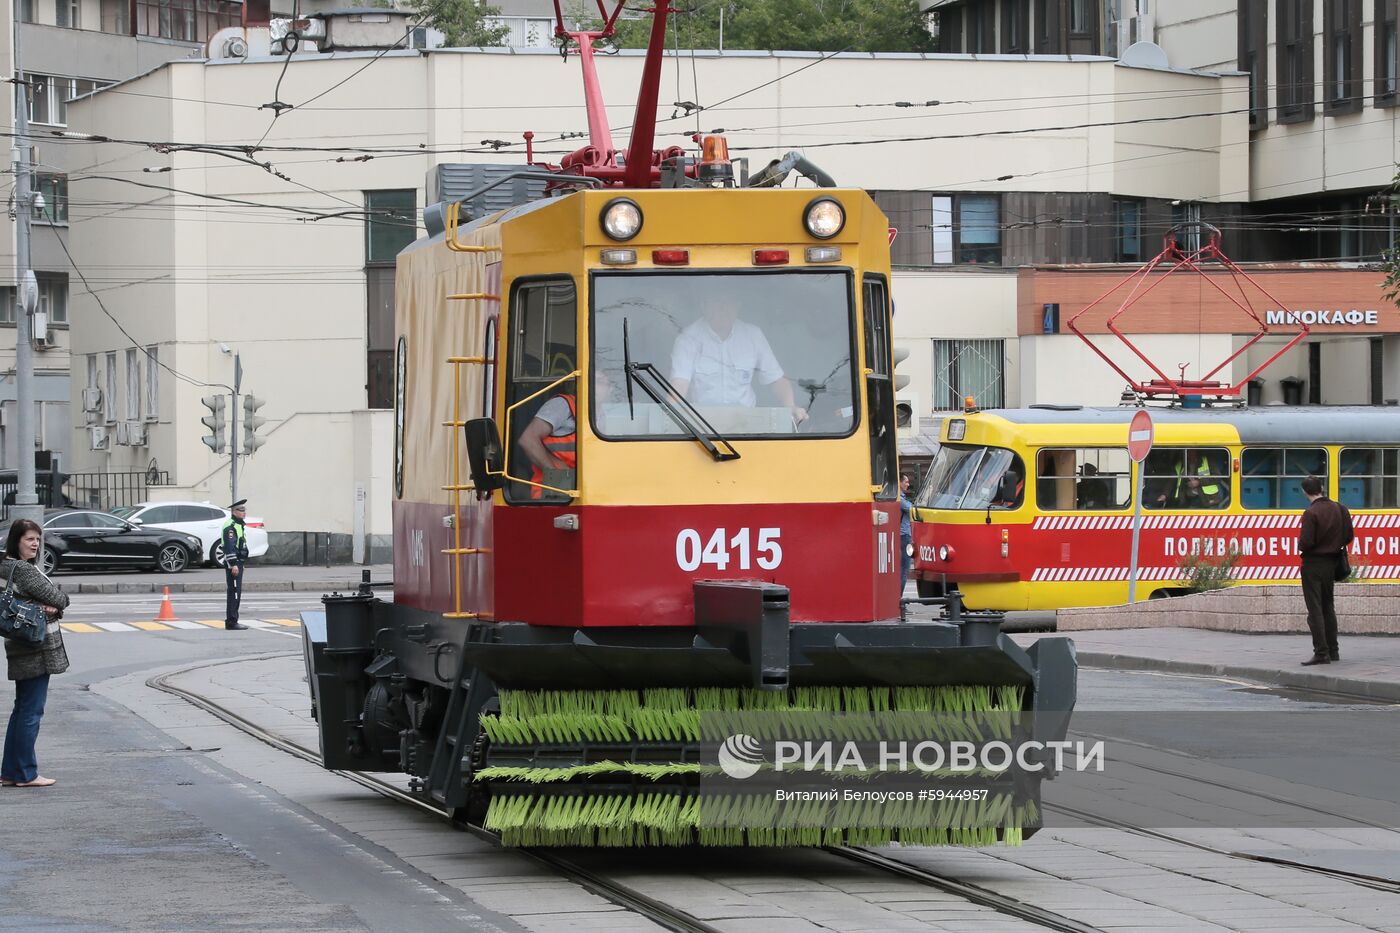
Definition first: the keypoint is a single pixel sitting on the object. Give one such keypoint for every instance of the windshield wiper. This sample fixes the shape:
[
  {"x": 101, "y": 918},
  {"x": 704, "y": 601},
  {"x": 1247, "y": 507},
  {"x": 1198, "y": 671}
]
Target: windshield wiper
[{"x": 663, "y": 393}]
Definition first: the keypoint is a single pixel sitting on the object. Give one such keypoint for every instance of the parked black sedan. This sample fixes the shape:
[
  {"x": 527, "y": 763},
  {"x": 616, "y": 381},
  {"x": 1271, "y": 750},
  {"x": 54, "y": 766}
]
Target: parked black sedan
[{"x": 76, "y": 538}]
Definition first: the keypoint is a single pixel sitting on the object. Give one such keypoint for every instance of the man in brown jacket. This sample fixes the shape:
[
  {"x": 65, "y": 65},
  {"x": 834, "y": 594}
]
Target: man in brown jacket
[{"x": 1325, "y": 533}]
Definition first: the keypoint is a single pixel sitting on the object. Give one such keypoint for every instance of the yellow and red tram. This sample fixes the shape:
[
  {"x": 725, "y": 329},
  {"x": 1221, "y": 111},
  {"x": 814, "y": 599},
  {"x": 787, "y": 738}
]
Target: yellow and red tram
[{"x": 1033, "y": 508}]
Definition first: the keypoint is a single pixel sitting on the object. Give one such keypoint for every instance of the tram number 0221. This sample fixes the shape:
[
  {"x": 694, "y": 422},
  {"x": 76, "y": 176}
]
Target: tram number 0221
[{"x": 745, "y": 547}]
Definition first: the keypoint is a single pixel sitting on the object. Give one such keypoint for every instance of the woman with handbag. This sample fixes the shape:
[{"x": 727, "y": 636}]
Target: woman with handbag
[{"x": 30, "y": 666}]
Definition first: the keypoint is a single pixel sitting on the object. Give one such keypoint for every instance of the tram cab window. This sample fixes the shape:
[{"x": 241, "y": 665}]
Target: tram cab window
[
  {"x": 1194, "y": 478},
  {"x": 758, "y": 354},
  {"x": 980, "y": 478},
  {"x": 1083, "y": 479},
  {"x": 1369, "y": 478},
  {"x": 1269, "y": 476},
  {"x": 544, "y": 351}
]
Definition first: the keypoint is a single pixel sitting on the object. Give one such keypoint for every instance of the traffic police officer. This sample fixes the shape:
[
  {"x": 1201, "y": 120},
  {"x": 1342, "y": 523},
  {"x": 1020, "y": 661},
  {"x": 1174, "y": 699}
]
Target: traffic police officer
[{"x": 235, "y": 541}]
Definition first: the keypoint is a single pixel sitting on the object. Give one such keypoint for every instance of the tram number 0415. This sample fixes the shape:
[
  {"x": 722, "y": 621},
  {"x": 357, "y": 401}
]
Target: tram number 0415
[{"x": 744, "y": 548}]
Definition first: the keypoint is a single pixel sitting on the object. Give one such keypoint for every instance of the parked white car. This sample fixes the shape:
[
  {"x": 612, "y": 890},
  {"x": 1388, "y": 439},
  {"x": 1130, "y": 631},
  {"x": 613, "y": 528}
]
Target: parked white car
[{"x": 201, "y": 519}]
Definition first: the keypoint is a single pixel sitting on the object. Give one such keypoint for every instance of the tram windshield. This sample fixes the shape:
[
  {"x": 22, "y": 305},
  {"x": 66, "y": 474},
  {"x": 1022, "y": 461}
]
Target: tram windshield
[
  {"x": 757, "y": 354},
  {"x": 978, "y": 478}
]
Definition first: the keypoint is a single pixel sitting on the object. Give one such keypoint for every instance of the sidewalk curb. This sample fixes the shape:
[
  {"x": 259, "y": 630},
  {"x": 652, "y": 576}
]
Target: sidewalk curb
[
  {"x": 344, "y": 584},
  {"x": 1349, "y": 686}
]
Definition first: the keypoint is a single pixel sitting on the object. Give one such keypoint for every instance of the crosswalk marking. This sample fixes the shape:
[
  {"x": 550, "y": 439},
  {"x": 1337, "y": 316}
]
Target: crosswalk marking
[{"x": 143, "y": 625}]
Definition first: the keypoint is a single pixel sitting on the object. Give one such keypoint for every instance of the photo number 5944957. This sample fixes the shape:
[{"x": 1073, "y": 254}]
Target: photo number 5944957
[{"x": 721, "y": 547}]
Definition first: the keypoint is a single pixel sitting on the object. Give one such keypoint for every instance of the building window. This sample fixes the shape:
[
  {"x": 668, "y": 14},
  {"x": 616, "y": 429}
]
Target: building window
[
  {"x": 68, "y": 13},
  {"x": 982, "y": 27},
  {"x": 133, "y": 385},
  {"x": 185, "y": 20},
  {"x": 54, "y": 188},
  {"x": 950, "y": 30},
  {"x": 967, "y": 229},
  {"x": 53, "y": 297},
  {"x": 1387, "y": 54},
  {"x": 391, "y": 223},
  {"x": 1083, "y": 478},
  {"x": 152, "y": 383},
  {"x": 968, "y": 367},
  {"x": 7, "y": 304},
  {"x": 1369, "y": 478},
  {"x": 1048, "y": 40},
  {"x": 1081, "y": 18},
  {"x": 1177, "y": 478},
  {"x": 109, "y": 410},
  {"x": 1270, "y": 476},
  {"x": 49, "y": 96},
  {"x": 1015, "y": 27},
  {"x": 1342, "y": 56},
  {"x": 26, "y": 11},
  {"x": 1295, "y": 61},
  {"x": 1254, "y": 44},
  {"x": 115, "y": 16},
  {"x": 92, "y": 371},
  {"x": 1128, "y": 223}
]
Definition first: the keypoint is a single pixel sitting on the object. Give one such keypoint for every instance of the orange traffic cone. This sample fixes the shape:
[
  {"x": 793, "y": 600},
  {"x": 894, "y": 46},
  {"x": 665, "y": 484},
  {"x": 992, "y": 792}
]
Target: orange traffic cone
[{"x": 167, "y": 611}]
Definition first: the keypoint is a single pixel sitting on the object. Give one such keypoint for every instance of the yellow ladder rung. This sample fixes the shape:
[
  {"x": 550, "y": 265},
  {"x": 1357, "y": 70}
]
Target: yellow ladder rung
[
  {"x": 466, "y": 550},
  {"x": 464, "y": 248},
  {"x": 474, "y": 296},
  {"x": 464, "y": 488},
  {"x": 470, "y": 359},
  {"x": 459, "y": 615},
  {"x": 453, "y": 424}
]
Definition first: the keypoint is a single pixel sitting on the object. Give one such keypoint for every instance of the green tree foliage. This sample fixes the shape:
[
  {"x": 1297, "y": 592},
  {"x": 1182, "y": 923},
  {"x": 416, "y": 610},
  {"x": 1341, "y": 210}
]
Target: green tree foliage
[
  {"x": 796, "y": 25},
  {"x": 465, "y": 23}
]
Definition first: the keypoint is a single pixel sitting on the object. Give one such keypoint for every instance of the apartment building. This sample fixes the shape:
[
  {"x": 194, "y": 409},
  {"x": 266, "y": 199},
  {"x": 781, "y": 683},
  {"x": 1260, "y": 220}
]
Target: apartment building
[{"x": 65, "y": 50}]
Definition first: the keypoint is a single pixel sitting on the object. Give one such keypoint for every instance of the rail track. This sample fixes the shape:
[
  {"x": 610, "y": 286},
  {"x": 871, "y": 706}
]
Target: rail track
[{"x": 663, "y": 914}]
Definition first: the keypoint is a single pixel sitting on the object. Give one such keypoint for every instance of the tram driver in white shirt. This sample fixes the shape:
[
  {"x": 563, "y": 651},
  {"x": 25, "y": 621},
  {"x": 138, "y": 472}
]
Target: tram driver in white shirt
[{"x": 717, "y": 359}]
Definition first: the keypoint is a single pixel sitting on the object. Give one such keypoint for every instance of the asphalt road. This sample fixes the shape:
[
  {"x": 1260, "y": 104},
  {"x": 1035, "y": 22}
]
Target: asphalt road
[{"x": 145, "y": 832}]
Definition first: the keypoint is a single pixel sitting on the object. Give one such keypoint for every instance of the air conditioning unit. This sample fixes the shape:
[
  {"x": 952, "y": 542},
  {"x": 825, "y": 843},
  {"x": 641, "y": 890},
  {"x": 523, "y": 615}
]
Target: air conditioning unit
[
  {"x": 1135, "y": 29},
  {"x": 99, "y": 439},
  {"x": 907, "y": 412},
  {"x": 135, "y": 433},
  {"x": 4, "y": 417},
  {"x": 92, "y": 399},
  {"x": 123, "y": 433},
  {"x": 45, "y": 341}
]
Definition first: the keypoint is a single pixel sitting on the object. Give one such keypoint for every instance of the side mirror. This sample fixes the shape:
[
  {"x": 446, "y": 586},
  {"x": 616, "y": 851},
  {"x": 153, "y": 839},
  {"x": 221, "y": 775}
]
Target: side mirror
[
  {"x": 135, "y": 521},
  {"x": 485, "y": 455}
]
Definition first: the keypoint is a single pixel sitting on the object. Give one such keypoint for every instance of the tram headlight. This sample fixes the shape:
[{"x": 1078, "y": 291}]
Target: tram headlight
[
  {"x": 621, "y": 219},
  {"x": 824, "y": 218},
  {"x": 945, "y": 553}
]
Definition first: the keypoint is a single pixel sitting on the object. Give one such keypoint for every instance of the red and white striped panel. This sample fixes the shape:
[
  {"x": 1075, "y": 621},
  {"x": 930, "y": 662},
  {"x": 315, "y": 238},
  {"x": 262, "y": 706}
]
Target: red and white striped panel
[
  {"x": 1183, "y": 522},
  {"x": 1111, "y": 574}
]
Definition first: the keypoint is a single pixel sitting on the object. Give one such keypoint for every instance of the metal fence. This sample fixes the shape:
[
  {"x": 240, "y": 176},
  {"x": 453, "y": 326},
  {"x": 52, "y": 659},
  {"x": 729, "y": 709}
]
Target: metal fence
[
  {"x": 968, "y": 367},
  {"x": 102, "y": 491}
]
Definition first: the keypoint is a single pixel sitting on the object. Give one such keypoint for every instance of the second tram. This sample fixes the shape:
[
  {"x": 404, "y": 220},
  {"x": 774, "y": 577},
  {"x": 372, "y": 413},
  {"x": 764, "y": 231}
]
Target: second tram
[{"x": 1033, "y": 508}]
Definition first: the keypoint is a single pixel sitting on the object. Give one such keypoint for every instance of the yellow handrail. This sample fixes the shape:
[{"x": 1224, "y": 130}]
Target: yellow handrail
[
  {"x": 451, "y": 219},
  {"x": 457, "y": 486},
  {"x": 505, "y": 468}
]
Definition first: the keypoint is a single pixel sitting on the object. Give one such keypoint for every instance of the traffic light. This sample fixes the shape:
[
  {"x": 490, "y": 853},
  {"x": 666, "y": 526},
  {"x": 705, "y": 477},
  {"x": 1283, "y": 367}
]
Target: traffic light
[
  {"x": 215, "y": 422},
  {"x": 906, "y": 415},
  {"x": 251, "y": 422}
]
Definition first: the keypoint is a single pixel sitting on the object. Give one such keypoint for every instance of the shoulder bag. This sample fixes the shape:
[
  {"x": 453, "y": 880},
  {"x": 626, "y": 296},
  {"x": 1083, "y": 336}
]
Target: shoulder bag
[
  {"x": 20, "y": 619},
  {"x": 1343, "y": 569}
]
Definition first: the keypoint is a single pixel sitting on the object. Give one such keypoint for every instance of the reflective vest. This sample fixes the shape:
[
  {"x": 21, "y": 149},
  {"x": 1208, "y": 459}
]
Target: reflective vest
[
  {"x": 564, "y": 448},
  {"x": 1202, "y": 469},
  {"x": 240, "y": 537}
]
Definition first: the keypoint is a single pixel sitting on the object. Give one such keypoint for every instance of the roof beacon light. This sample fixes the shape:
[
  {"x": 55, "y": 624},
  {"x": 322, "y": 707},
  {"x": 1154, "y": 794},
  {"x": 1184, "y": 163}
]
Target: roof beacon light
[
  {"x": 621, "y": 219},
  {"x": 714, "y": 160},
  {"x": 969, "y": 404},
  {"x": 824, "y": 218}
]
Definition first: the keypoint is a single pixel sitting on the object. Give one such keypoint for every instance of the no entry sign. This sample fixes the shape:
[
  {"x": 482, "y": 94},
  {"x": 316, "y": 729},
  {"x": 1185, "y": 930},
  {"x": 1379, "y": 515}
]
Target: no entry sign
[{"x": 1140, "y": 436}]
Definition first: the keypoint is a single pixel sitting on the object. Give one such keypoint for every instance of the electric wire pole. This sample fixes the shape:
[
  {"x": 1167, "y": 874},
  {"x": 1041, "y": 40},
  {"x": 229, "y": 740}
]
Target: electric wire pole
[{"x": 26, "y": 501}]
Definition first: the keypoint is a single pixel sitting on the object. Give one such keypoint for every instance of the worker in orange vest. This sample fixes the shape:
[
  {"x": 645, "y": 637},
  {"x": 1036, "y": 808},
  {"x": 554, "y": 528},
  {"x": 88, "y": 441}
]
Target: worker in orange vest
[{"x": 550, "y": 440}]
